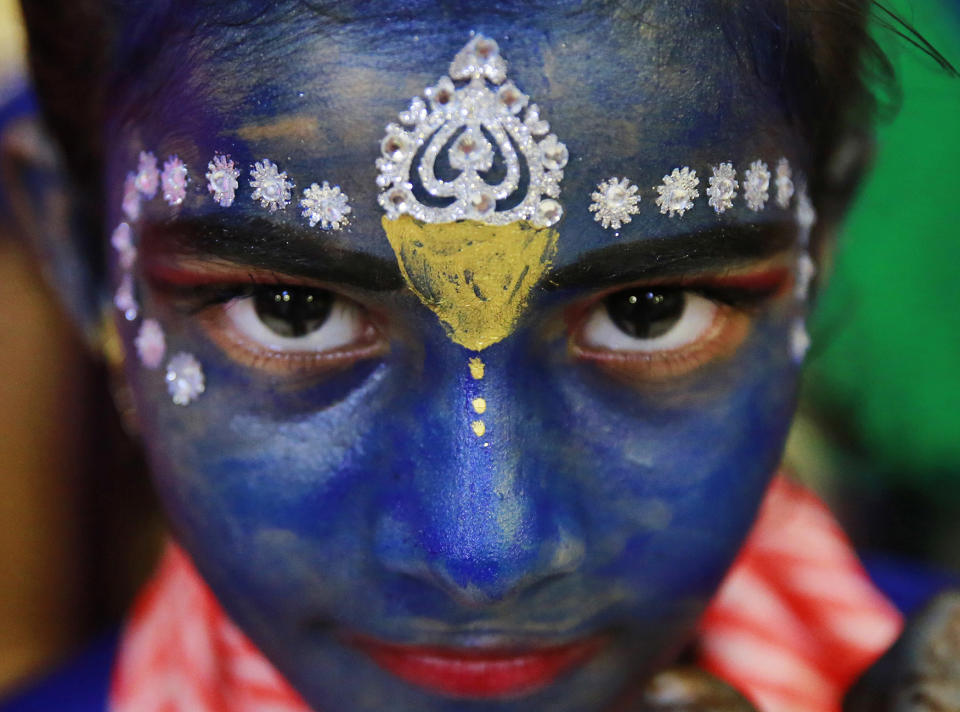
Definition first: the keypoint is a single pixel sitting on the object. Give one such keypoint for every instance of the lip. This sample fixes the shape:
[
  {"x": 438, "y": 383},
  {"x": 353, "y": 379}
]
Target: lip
[{"x": 478, "y": 672}]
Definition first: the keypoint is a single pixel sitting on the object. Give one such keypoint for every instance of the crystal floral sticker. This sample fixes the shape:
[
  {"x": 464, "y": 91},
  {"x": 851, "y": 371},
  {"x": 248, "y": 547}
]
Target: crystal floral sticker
[
  {"x": 678, "y": 191},
  {"x": 130, "y": 204},
  {"x": 784, "y": 183},
  {"x": 222, "y": 180},
  {"x": 756, "y": 186},
  {"x": 150, "y": 343},
  {"x": 799, "y": 340},
  {"x": 185, "y": 380},
  {"x": 174, "y": 180},
  {"x": 325, "y": 205},
  {"x": 124, "y": 299},
  {"x": 723, "y": 188},
  {"x": 147, "y": 178},
  {"x": 615, "y": 201},
  {"x": 270, "y": 185},
  {"x": 122, "y": 241}
]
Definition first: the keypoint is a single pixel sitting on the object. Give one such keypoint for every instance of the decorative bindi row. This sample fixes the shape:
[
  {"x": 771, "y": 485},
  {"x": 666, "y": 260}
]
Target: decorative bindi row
[
  {"x": 613, "y": 203},
  {"x": 323, "y": 205},
  {"x": 616, "y": 201}
]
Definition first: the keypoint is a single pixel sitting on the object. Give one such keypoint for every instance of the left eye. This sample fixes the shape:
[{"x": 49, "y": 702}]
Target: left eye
[
  {"x": 648, "y": 320},
  {"x": 297, "y": 319},
  {"x": 648, "y": 334}
]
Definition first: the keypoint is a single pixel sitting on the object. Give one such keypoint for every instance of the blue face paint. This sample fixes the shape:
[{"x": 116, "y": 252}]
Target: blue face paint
[{"x": 361, "y": 500}]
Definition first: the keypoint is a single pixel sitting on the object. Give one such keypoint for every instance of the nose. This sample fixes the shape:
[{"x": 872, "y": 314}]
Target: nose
[
  {"x": 481, "y": 548},
  {"x": 481, "y": 517}
]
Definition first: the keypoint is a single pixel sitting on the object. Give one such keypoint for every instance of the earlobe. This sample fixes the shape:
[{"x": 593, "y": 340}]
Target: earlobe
[{"x": 35, "y": 185}]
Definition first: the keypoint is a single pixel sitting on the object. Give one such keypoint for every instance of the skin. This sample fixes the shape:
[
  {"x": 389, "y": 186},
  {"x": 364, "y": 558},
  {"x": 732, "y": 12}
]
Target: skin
[{"x": 356, "y": 498}]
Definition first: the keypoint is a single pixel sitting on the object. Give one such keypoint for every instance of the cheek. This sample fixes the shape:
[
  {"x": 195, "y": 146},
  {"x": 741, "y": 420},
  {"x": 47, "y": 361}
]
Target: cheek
[{"x": 673, "y": 475}]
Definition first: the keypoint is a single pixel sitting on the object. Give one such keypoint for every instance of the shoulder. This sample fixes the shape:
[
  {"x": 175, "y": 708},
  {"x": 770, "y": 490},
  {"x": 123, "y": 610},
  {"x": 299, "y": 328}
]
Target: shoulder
[{"x": 78, "y": 686}]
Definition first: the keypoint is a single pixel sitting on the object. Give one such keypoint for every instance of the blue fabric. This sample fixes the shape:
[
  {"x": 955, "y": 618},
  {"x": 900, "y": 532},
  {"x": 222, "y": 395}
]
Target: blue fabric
[
  {"x": 907, "y": 584},
  {"x": 79, "y": 686}
]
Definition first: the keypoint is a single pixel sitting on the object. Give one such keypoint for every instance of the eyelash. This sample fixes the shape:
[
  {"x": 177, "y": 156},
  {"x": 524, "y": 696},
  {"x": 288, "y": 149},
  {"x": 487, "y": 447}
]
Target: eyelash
[
  {"x": 210, "y": 303},
  {"x": 735, "y": 308}
]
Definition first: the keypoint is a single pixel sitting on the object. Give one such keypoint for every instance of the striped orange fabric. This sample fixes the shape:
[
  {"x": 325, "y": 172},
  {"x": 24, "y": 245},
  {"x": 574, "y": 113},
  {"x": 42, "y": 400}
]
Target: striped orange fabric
[
  {"x": 795, "y": 622},
  {"x": 797, "y": 619}
]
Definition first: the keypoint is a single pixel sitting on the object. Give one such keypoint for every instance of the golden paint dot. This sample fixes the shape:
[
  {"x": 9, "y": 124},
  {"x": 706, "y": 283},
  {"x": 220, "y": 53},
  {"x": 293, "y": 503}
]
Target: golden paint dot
[
  {"x": 479, "y": 405},
  {"x": 476, "y": 368},
  {"x": 478, "y": 428}
]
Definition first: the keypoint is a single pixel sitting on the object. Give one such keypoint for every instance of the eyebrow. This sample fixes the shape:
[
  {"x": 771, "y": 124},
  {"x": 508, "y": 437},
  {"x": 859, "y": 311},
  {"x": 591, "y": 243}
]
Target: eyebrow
[
  {"x": 726, "y": 246},
  {"x": 266, "y": 245},
  {"x": 288, "y": 250}
]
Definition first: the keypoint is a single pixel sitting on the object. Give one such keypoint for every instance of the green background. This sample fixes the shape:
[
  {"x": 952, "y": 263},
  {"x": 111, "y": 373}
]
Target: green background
[{"x": 884, "y": 372}]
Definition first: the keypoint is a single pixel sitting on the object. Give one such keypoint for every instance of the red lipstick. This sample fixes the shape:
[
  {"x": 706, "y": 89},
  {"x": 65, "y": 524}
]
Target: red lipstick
[{"x": 478, "y": 673}]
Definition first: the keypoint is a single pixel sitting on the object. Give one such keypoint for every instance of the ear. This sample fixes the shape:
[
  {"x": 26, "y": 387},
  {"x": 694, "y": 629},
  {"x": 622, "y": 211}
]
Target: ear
[{"x": 45, "y": 213}]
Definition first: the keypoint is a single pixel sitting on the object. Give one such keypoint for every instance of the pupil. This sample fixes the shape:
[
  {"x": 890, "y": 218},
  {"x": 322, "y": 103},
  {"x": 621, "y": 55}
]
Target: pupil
[
  {"x": 645, "y": 313},
  {"x": 292, "y": 311}
]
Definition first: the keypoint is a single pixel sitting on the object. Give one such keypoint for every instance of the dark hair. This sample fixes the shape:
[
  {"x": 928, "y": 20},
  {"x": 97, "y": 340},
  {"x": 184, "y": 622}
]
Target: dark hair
[{"x": 833, "y": 78}]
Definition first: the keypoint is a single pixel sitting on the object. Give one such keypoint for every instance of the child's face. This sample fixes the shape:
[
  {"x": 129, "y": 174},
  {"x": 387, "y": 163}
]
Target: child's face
[{"x": 332, "y": 482}]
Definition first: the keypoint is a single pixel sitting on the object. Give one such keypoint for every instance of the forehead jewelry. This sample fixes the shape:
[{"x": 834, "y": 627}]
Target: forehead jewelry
[
  {"x": 615, "y": 202},
  {"x": 483, "y": 121},
  {"x": 174, "y": 180},
  {"x": 678, "y": 191},
  {"x": 756, "y": 186},
  {"x": 723, "y": 187}
]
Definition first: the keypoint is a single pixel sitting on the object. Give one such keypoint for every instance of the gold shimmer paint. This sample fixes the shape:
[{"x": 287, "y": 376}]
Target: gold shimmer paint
[
  {"x": 475, "y": 277},
  {"x": 479, "y": 405},
  {"x": 476, "y": 368}
]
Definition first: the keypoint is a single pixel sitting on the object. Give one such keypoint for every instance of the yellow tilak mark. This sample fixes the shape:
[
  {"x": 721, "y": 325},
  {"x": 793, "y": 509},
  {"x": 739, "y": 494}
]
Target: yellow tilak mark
[
  {"x": 479, "y": 405},
  {"x": 475, "y": 277},
  {"x": 476, "y": 368},
  {"x": 478, "y": 428}
]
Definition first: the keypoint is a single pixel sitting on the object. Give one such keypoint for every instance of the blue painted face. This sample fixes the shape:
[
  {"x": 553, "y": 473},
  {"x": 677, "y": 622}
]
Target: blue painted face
[{"x": 332, "y": 483}]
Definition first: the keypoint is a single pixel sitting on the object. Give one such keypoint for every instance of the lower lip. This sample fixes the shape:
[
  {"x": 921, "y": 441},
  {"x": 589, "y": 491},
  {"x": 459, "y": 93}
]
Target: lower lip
[{"x": 478, "y": 673}]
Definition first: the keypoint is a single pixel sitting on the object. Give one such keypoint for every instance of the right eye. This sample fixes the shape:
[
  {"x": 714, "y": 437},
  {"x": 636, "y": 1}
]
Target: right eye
[{"x": 293, "y": 327}]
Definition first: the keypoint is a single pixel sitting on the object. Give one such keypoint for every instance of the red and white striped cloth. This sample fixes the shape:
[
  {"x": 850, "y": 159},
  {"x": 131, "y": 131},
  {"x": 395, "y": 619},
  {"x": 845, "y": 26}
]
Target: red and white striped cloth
[{"x": 796, "y": 621}]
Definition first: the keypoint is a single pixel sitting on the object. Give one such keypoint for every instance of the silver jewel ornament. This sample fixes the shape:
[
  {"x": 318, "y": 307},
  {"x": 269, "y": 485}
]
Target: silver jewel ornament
[
  {"x": 615, "y": 201},
  {"x": 784, "y": 183},
  {"x": 325, "y": 205},
  {"x": 756, "y": 186},
  {"x": 467, "y": 127},
  {"x": 185, "y": 380},
  {"x": 723, "y": 188},
  {"x": 678, "y": 191}
]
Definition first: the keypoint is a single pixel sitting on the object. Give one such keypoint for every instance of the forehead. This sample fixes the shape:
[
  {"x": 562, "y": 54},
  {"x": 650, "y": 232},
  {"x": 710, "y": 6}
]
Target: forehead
[{"x": 631, "y": 92}]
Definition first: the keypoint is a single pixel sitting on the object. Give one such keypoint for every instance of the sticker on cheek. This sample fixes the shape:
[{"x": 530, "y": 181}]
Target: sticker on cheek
[
  {"x": 185, "y": 379},
  {"x": 131, "y": 197},
  {"x": 151, "y": 343}
]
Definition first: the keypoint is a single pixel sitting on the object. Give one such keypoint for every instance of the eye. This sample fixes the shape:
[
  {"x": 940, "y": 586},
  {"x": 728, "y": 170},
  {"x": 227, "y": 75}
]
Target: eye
[
  {"x": 296, "y": 319},
  {"x": 652, "y": 333},
  {"x": 291, "y": 328},
  {"x": 649, "y": 320}
]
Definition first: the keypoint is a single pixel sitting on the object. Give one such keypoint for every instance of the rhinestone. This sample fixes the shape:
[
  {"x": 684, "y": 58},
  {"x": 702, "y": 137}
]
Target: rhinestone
[
  {"x": 549, "y": 211},
  {"x": 554, "y": 153},
  {"x": 185, "y": 380}
]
